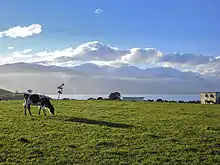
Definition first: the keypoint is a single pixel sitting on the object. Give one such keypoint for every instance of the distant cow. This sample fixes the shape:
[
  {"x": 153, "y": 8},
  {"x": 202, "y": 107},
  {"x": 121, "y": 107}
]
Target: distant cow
[{"x": 37, "y": 100}]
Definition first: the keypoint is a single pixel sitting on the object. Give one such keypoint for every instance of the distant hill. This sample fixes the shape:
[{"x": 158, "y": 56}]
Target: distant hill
[
  {"x": 33, "y": 68},
  {"x": 94, "y": 79},
  {"x": 4, "y": 92}
]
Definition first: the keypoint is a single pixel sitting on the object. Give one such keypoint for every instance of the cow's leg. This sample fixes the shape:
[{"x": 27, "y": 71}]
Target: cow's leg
[
  {"x": 39, "y": 109},
  {"x": 43, "y": 108},
  {"x": 29, "y": 109},
  {"x": 25, "y": 109}
]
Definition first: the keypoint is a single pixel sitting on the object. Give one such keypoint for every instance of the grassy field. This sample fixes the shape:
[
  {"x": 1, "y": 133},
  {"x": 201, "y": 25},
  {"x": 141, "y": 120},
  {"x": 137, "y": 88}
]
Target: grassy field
[{"x": 108, "y": 132}]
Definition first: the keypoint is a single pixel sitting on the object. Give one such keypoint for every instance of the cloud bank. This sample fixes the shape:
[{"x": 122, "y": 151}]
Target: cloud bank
[
  {"x": 104, "y": 54},
  {"x": 22, "y": 32}
]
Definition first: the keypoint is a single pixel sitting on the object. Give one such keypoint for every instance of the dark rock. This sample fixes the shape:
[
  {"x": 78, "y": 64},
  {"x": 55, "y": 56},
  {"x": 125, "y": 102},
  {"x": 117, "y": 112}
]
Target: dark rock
[
  {"x": 23, "y": 140},
  {"x": 91, "y": 98},
  {"x": 72, "y": 146},
  {"x": 115, "y": 96},
  {"x": 99, "y": 98}
]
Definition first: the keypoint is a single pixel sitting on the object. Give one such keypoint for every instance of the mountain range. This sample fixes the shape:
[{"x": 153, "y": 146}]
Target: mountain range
[{"x": 94, "y": 79}]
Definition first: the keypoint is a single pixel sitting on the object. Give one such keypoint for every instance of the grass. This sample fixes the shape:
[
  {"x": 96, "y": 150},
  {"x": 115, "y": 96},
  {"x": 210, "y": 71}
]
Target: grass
[{"x": 110, "y": 132}]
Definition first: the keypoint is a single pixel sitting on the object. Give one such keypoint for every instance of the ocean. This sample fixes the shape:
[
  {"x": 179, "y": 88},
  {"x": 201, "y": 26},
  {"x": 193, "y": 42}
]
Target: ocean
[{"x": 174, "y": 97}]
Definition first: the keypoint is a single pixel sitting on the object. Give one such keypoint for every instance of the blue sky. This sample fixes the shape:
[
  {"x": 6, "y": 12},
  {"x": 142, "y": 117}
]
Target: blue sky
[
  {"x": 182, "y": 34},
  {"x": 171, "y": 26},
  {"x": 183, "y": 26}
]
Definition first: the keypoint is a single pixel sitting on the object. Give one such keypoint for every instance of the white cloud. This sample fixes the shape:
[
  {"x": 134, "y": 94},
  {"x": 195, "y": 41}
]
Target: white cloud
[
  {"x": 211, "y": 68},
  {"x": 138, "y": 55},
  {"x": 103, "y": 54},
  {"x": 10, "y": 48},
  {"x": 27, "y": 51},
  {"x": 91, "y": 51},
  {"x": 189, "y": 62},
  {"x": 186, "y": 58},
  {"x": 98, "y": 11},
  {"x": 22, "y": 32}
]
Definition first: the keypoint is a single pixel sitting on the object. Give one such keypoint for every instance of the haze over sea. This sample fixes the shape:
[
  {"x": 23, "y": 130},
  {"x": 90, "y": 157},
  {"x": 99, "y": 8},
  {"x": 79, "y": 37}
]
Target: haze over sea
[{"x": 175, "y": 97}]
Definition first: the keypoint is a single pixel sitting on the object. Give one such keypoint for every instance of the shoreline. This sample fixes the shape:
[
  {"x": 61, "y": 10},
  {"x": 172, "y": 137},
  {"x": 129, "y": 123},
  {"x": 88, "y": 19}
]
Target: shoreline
[{"x": 124, "y": 97}]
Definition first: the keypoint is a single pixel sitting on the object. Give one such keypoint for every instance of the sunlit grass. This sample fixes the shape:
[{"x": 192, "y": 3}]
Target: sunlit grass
[{"x": 108, "y": 132}]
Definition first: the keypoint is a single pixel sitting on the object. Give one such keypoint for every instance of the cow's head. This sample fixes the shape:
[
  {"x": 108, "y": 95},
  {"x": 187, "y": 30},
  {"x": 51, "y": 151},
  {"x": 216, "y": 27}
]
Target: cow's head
[
  {"x": 50, "y": 107},
  {"x": 26, "y": 95}
]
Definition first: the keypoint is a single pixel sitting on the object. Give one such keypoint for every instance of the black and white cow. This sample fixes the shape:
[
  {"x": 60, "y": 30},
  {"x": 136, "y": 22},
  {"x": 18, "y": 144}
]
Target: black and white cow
[{"x": 37, "y": 100}]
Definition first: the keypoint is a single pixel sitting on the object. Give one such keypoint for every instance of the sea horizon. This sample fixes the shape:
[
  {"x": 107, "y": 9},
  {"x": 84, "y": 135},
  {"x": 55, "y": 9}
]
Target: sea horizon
[{"x": 174, "y": 97}]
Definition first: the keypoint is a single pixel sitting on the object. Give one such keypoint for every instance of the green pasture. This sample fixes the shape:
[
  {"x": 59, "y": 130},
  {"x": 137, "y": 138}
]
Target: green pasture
[{"x": 110, "y": 132}]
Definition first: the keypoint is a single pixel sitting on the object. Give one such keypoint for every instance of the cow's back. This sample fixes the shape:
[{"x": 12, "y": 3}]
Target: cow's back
[{"x": 34, "y": 98}]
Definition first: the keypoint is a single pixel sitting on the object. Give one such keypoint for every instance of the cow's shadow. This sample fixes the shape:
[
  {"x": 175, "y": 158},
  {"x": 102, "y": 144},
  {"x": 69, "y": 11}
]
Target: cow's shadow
[{"x": 89, "y": 121}]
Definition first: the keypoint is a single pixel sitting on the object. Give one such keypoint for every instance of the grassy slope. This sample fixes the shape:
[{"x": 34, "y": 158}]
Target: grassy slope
[
  {"x": 4, "y": 92},
  {"x": 87, "y": 132},
  {"x": 12, "y": 97}
]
